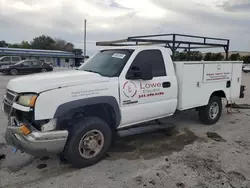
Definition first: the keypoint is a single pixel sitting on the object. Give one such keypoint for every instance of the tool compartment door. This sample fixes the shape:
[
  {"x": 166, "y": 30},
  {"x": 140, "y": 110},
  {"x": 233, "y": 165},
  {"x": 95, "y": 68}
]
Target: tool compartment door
[{"x": 236, "y": 80}]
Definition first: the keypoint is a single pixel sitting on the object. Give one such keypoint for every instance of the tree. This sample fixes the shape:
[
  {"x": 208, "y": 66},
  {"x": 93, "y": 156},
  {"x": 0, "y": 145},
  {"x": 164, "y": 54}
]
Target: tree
[
  {"x": 235, "y": 57},
  {"x": 43, "y": 42},
  {"x": 179, "y": 56},
  {"x": 217, "y": 57},
  {"x": 188, "y": 56},
  {"x": 246, "y": 59},
  {"x": 15, "y": 45},
  {"x": 194, "y": 56},
  {"x": 3, "y": 44},
  {"x": 213, "y": 57},
  {"x": 69, "y": 47},
  {"x": 63, "y": 45},
  {"x": 208, "y": 57},
  {"x": 25, "y": 44}
]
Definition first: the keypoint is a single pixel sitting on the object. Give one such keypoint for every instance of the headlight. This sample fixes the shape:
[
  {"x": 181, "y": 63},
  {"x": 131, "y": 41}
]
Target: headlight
[{"x": 27, "y": 100}]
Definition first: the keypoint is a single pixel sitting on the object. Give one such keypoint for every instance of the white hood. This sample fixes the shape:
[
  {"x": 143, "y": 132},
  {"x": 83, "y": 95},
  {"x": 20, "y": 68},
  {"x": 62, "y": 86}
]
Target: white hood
[{"x": 46, "y": 81}]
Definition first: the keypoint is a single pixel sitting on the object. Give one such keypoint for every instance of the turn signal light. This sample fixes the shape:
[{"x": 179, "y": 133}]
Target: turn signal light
[
  {"x": 24, "y": 130},
  {"x": 33, "y": 101}
]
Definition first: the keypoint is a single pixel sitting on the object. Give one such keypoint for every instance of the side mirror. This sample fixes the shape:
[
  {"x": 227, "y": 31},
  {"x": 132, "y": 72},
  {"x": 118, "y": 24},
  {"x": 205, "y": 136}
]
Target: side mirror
[
  {"x": 134, "y": 73},
  {"x": 140, "y": 72}
]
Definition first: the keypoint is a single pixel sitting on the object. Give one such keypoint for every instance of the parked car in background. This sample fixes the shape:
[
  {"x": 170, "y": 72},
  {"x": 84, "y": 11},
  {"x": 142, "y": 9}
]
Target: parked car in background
[
  {"x": 9, "y": 60},
  {"x": 246, "y": 68},
  {"x": 26, "y": 66}
]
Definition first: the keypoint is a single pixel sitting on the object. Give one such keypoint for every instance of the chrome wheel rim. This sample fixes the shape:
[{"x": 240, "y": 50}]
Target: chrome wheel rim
[
  {"x": 91, "y": 144},
  {"x": 214, "y": 110},
  {"x": 13, "y": 72},
  {"x": 44, "y": 70}
]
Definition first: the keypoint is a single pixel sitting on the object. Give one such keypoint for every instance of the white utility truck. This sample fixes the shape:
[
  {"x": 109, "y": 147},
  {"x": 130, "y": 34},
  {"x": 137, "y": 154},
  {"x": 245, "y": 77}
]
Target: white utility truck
[{"x": 75, "y": 113}]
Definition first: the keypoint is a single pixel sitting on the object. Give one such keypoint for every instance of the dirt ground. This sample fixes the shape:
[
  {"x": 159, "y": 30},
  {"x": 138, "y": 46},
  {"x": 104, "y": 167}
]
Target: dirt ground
[{"x": 183, "y": 153}]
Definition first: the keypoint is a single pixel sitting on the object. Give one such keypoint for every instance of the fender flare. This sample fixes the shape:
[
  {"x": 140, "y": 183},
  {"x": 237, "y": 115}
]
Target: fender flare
[
  {"x": 222, "y": 94},
  {"x": 77, "y": 104}
]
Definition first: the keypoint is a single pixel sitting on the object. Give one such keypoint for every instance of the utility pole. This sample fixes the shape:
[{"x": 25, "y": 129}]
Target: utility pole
[{"x": 85, "y": 28}]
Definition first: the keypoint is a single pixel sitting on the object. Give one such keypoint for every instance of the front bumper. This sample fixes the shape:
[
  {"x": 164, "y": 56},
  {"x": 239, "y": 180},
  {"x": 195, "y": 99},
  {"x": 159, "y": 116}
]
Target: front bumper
[
  {"x": 4, "y": 70},
  {"x": 37, "y": 143}
]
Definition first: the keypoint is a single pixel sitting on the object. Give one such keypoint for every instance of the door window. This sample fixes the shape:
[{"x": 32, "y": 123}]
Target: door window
[
  {"x": 36, "y": 63},
  {"x": 153, "y": 57},
  {"x": 15, "y": 59},
  {"x": 27, "y": 63},
  {"x": 6, "y": 59}
]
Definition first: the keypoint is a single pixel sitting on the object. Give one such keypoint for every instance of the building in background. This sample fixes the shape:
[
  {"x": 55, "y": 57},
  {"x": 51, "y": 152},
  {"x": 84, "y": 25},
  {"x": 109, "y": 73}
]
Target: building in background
[{"x": 54, "y": 57}]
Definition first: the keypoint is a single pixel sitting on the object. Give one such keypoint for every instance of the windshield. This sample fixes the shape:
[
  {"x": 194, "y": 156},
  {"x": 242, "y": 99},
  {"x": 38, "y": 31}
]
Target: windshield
[{"x": 107, "y": 63}]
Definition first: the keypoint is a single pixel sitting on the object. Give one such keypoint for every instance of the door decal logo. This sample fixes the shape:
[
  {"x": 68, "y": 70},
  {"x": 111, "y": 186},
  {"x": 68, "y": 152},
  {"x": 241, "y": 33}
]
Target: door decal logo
[{"x": 129, "y": 89}]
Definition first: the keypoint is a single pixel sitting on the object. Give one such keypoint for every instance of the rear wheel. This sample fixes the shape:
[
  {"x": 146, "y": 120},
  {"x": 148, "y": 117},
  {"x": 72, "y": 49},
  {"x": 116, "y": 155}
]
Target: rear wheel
[
  {"x": 88, "y": 142},
  {"x": 44, "y": 70},
  {"x": 13, "y": 72},
  {"x": 211, "y": 113}
]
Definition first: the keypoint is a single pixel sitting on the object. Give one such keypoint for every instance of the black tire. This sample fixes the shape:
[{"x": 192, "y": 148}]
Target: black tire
[
  {"x": 205, "y": 111},
  {"x": 13, "y": 72},
  {"x": 44, "y": 70},
  {"x": 83, "y": 126}
]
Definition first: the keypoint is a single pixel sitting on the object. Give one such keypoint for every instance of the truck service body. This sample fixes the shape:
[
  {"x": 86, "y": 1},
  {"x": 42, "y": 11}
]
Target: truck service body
[{"x": 74, "y": 113}]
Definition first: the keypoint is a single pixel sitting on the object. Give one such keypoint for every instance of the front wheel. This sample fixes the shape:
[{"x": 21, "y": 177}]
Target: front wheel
[
  {"x": 211, "y": 113},
  {"x": 13, "y": 72},
  {"x": 88, "y": 142}
]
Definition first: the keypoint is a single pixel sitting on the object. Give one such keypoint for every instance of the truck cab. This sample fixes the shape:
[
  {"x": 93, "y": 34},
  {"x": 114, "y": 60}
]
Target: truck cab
[{"x": 75, "y": 113}]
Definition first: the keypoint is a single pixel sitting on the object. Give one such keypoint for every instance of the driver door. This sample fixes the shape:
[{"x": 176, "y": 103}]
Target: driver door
[
  {"x": 144, "y": 100},
  {"x": 24, "y": 67},
  {"x": 36, "y": 66}
]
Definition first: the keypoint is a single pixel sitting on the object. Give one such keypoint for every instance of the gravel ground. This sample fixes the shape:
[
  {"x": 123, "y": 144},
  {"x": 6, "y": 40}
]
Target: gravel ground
[{"x": 189, "y": 155}]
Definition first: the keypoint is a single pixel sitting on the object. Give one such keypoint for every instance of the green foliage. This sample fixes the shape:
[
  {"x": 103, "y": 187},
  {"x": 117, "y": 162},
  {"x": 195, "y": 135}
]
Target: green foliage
[
  {"x": 25, "y": 44},
  {"x": 15, "y": 45},
  {"x": 63, "y": 45},
  {"x": 235, "y": 57},
  {"x": 246, "y": 59},
  {"x": 188, "y": 56},
  {"x": 213, "y": 57},
  {"x": 42, "y": 42},
  {"x": 3, "y": 43}
]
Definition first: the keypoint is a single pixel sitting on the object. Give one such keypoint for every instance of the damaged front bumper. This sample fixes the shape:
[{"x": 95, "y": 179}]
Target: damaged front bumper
[{"x": 36, "y": 143}]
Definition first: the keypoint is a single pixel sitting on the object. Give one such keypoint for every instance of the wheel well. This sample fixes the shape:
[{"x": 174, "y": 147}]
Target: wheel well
[
  {"x": 219, "y": 94},
  {"x": 102, "y": 111}
]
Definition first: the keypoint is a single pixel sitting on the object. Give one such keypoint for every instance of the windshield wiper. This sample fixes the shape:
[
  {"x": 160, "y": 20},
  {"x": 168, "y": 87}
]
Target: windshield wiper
[{"x": 93, "y": 72}]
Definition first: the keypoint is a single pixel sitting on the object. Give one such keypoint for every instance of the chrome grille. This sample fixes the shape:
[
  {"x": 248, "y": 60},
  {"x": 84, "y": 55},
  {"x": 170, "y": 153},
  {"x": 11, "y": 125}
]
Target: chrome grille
[
  {"x": 7, "y": 108},
  {"x": 9, "y": 98}
]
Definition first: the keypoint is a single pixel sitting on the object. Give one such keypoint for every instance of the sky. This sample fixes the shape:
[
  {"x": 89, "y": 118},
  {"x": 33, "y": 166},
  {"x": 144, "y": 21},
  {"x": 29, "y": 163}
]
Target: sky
[{"x": 118, "y": 19}]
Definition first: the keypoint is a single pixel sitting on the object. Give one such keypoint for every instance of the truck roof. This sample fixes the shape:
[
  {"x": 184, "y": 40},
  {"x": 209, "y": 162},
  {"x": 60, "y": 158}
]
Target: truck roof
[{"x": 142, "y": 47}]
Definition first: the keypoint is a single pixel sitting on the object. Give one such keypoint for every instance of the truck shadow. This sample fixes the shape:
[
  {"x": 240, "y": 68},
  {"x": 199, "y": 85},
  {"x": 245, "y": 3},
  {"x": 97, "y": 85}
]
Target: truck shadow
[
  {"x": 151, "y": 144},
  {"x": 145, "y": 145}
]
